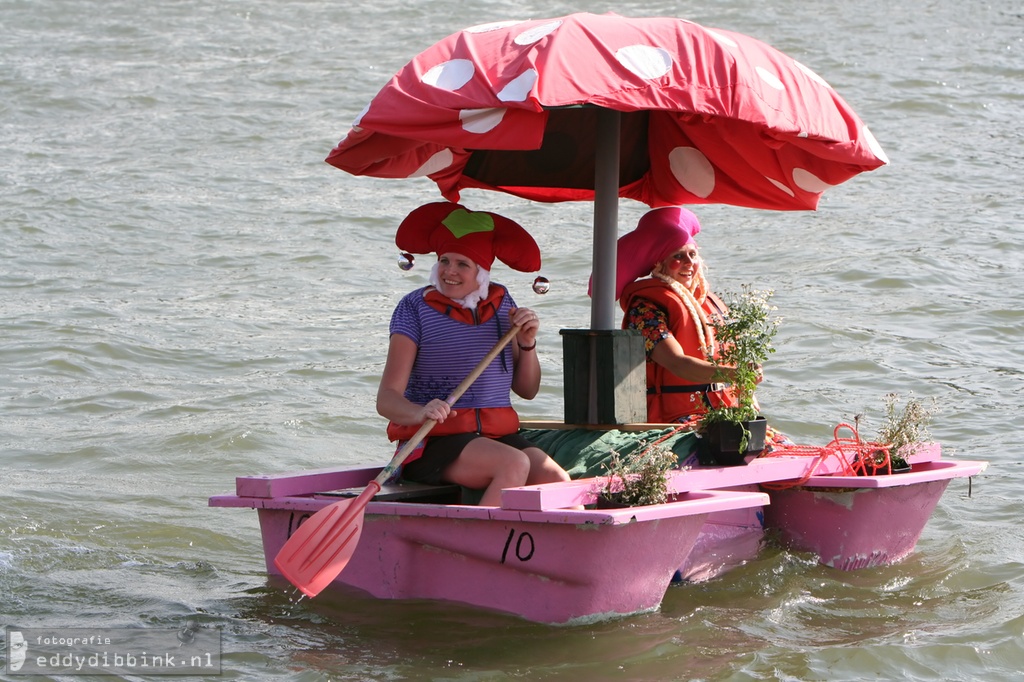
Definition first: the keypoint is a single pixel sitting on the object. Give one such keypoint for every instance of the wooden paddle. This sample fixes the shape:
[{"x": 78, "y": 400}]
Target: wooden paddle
[{"x": 321, "y": 547}]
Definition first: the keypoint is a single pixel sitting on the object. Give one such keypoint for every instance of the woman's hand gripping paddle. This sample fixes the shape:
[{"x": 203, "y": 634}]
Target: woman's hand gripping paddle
[{"x": 321, "y": 547}]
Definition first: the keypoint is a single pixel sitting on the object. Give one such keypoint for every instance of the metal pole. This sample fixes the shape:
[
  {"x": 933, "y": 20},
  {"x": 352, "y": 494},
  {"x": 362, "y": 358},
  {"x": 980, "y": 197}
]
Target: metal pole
[{"x": 606, "y": 219}]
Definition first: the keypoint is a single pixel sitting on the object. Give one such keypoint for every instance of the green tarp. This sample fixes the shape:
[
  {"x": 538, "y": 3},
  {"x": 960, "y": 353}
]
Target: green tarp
[{"x": 584, "y": 452}]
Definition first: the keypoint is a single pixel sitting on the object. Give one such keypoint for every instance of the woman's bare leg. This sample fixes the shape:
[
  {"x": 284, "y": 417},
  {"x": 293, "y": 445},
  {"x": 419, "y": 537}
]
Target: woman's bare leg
[
  {"x": 489, "y": 465},
  {"x": 543, "y": 469}
]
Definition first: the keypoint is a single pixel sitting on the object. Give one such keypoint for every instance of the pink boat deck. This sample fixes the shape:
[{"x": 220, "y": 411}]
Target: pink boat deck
[{"x": 535, "y": 557}]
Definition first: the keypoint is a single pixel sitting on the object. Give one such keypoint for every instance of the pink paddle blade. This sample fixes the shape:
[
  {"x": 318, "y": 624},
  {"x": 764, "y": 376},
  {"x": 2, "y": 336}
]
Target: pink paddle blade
[{"x": 321, "y": 547}]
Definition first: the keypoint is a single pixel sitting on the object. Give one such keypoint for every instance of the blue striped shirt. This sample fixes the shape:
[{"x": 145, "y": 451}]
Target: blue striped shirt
[{"x": 448, "y": 350}]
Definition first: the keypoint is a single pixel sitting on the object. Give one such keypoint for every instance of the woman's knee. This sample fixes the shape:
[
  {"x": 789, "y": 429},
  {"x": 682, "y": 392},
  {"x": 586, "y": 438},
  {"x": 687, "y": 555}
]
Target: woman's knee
[
  {"x": 491, "y": 459},
  {"x": 543, "y": 469},
  {"x": 517, "y": 465}
]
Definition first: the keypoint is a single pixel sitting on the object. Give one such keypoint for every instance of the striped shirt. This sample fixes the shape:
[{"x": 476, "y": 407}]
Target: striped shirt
[{"x": 448, "y": 350}]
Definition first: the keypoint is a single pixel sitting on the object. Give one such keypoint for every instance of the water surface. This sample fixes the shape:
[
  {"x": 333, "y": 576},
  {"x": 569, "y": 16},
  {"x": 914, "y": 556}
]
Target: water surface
[{"x": 189, "y": 294}]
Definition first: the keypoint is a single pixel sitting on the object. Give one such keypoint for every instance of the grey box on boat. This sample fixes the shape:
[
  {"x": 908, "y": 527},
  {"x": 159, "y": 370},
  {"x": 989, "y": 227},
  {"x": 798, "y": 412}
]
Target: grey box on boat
[{"x": 604, "y": 376}]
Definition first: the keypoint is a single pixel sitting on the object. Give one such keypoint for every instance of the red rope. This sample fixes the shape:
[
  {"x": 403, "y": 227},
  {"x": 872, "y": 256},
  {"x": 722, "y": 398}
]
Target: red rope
[
  {"x": 670, "y": 434},
  {"x": 651, "y": 446},
  {"x": 855, "y": 456}
]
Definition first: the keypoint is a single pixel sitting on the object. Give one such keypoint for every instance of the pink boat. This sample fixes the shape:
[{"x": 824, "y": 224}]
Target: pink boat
[
  {"x": 503, "y": 124},
  {"x": 854, "y": 522},
  {"x": 531, "y": 556},
  {"x": 849, "y": 522},
  {"x": 535, "y": 558}
]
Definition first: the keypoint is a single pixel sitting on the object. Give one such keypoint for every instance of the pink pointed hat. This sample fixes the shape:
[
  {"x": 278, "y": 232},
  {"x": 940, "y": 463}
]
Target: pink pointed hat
[
  {"x": 658, "y": 234},
  {"x": 445, "y": 227}
]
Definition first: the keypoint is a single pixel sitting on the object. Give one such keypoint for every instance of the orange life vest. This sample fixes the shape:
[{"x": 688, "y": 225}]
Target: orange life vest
[
  {"x": 493, "y": 422},
  {"x": 669, "y": 397}
]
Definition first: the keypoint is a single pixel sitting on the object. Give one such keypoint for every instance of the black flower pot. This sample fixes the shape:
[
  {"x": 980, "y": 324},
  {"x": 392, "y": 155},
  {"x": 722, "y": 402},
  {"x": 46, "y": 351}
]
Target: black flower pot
[
  {"x": 610, "y": 501},
  {"x": 875, "y": 464},
  {"x": 719, "y": 444}
]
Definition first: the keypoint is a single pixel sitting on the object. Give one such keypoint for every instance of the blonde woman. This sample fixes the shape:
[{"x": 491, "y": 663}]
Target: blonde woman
[{"x": 663, "y": 291}]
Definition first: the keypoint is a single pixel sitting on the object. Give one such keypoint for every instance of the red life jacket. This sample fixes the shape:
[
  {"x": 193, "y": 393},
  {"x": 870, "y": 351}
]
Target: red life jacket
[
  {"x": 670, "y": 398},
  {"x": 493, "y": 422}
]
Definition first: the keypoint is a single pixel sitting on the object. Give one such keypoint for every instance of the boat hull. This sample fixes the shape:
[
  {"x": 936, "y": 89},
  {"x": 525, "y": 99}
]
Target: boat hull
[
  {"x": 552, "y": 566},
  {"x": 852, "y": 522},
  {"x": 540, "y": 557},
  {"x": 542, "y": 572}
]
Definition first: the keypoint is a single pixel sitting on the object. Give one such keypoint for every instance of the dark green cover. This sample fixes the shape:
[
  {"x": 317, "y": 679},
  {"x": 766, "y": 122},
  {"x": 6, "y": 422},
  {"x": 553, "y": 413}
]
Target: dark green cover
[{"x": 583, "y": 452}]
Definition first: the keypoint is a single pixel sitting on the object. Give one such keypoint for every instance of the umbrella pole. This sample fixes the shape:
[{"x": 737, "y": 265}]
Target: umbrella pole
[
  {"x": 605, "y": 379},
  {"x": 610, "y": 361},
  {"x": 606, "y": 218}
]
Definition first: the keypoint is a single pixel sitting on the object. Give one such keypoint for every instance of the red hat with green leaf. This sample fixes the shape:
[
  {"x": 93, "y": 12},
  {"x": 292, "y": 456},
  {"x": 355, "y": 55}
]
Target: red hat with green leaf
[{"x": 445, "y": 227}]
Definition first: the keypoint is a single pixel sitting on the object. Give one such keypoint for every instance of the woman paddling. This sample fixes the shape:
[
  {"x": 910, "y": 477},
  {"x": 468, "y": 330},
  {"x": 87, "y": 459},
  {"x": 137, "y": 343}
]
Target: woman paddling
[{"x": 440, "y": 332}]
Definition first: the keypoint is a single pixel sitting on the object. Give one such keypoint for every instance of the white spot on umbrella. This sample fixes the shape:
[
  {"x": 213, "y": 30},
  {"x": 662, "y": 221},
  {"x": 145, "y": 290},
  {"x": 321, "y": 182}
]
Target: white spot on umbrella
[
  {"x": 437, "y": 162},
  {"x": 481, "y": 120},
  {"x": 692, "y": 170},
  {"x": 493, "y": 26},
  {"x": 725, "y": 40},
  {"x": 450, "y": 75},
  {"x": 645, "y": 61},
  {"x": 532, "y": 35},
  {"x": 876, "y": 148},
  {"x": 808, "y": 181},
  {"x": 770, "y": 78},
  {"x": 812, "y": 75},
  {"x": 781, "y": 186},
  {"x": 519, "y": 89},
  {"x": 359, "y": 118}
]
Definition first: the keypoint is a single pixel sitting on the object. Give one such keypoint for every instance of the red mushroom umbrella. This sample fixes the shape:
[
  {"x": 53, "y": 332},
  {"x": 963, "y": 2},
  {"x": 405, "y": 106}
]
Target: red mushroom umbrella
[{"x": 595, "y": 107}]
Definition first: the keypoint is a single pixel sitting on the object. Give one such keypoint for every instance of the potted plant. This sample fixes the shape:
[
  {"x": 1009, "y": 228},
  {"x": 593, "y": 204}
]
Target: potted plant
[
  {"x": 744, "y": 337},
  {"x": 899, "y": 436},
  {"x": 637, "y": 478}
]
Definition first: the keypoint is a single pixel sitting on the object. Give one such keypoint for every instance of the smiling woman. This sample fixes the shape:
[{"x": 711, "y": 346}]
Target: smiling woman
[
  {"x": 440, "y": 332},
  {"x": 663, "y": 290}
]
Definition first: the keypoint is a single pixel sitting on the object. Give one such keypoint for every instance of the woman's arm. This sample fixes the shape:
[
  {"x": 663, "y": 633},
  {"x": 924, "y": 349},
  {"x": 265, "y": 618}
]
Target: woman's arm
[
  {"x": 669, "y": 354},
  {"x": 525, "y": 365},
  {"x": 391, "y": 401},
  {"x": 664, "y": 349}
]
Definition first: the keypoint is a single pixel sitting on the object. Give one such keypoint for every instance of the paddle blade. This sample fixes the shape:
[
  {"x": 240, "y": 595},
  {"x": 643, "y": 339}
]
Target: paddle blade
[{"x": 321, "y": 547}]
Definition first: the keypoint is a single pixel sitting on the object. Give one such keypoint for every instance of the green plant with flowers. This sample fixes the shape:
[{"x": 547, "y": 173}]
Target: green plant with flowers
[
  {"x": 639, "y": 477},
  {"x": 903, "y": 430},
  {"x": 744, "y": 337}
]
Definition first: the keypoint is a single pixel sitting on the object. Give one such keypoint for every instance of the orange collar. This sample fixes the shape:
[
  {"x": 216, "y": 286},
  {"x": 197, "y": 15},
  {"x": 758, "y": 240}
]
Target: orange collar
[{"x": 485, "y": 308}]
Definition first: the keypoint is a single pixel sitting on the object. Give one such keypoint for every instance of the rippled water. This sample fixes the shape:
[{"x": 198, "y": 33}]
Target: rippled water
[{"x": 188, "y": 294}]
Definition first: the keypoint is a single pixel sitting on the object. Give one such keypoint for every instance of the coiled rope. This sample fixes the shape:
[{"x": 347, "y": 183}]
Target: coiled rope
[{"x": 856, "y": 457}]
